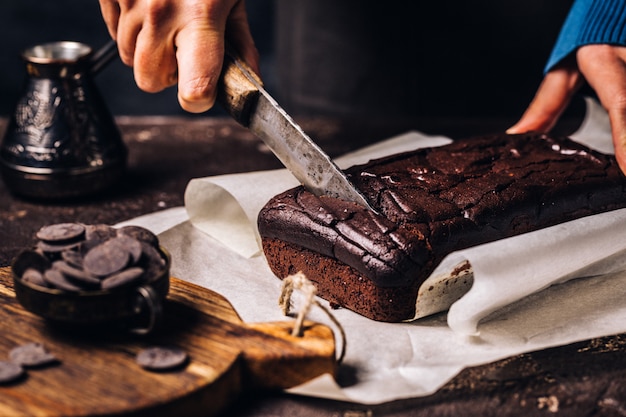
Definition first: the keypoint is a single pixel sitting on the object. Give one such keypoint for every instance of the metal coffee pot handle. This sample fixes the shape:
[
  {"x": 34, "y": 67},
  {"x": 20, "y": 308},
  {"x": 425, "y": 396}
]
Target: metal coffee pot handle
[{"x": 103, "y": 56}]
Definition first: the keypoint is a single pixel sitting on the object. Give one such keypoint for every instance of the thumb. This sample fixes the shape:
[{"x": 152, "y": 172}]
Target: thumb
[
  {"x": 552, "y": 98},
  {"x": 200, "y": 51}
]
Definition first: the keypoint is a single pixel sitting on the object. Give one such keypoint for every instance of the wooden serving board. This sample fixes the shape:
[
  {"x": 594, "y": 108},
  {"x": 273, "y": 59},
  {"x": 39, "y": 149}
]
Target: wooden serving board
[{"x": 97, "y": 373}]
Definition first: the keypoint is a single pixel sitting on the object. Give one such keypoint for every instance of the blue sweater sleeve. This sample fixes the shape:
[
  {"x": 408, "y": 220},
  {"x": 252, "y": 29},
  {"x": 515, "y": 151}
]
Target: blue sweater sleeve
[{"x": 590, "y": 22}]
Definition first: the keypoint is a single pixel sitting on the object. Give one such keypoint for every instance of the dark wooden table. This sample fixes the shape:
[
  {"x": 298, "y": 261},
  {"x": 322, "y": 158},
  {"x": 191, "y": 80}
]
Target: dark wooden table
[{"x": 582, "y": 379}]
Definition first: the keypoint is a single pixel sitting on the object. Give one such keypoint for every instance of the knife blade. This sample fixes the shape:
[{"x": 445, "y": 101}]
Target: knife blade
[{"x": 241, "y": 93}]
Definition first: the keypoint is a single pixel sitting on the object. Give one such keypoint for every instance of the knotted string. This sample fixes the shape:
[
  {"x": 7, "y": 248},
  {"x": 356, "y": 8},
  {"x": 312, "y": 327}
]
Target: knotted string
[{"x": 300, "y": 282}]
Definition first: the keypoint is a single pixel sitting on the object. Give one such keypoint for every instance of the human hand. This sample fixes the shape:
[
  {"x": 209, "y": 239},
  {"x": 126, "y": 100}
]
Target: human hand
[
  {"x": 604, "y": 68},
  {"x": 179, "y": 41}
]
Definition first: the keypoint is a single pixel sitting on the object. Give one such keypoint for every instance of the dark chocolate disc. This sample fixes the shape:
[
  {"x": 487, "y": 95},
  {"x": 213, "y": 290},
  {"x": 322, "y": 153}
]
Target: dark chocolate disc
[
  {"x": 73, "y": 257},
  {"x": 100, "y": 232},
  {"x": 56, "y": 279},
  {"x": 61, "y": 232},
  {"x": 54, "y": 249},
  {"x": 130, "y": 244},
  {"x": 125, "y": 277},
  {"x": 10, "y": 372},
  {"x": 31, "y": 355},
  {"x": 106, "y": 259},
  {"x": 160, "y": 358},
  {"x": 34, "y": 277},
  {"x": 79, "y": 277},
  {"x": 139, "y": 233}
]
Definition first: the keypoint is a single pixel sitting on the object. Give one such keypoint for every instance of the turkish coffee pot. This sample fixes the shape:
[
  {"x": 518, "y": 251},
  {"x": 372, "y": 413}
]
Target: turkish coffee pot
[{"x": 62, "y": 142}]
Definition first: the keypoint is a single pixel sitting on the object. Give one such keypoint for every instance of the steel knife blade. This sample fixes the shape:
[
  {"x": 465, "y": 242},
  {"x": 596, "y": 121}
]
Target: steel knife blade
[{"x": 241, "y": 93}]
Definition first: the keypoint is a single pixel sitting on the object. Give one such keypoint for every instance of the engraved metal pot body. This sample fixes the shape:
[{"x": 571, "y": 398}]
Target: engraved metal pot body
[{"x": 62, "y": 141}]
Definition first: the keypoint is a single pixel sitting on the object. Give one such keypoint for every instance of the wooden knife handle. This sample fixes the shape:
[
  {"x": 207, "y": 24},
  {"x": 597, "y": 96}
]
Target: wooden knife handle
[{"x": 237, "y": 91}]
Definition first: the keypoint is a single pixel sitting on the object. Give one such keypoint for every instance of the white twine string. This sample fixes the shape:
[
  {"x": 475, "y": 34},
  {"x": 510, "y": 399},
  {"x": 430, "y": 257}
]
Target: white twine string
[{"x": 300, "y": 282}]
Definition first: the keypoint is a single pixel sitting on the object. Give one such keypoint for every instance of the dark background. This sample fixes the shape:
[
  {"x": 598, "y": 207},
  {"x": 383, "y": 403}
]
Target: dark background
[{"x": 348, "y": 58}]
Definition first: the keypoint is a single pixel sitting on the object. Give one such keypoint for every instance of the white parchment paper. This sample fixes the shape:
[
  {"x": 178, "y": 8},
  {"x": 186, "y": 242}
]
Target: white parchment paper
[{"x": 525, "y": 296}]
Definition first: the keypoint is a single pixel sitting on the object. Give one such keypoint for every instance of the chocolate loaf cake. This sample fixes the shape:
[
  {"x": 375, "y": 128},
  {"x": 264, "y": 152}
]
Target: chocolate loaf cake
[{"x": 431, "y": 202}]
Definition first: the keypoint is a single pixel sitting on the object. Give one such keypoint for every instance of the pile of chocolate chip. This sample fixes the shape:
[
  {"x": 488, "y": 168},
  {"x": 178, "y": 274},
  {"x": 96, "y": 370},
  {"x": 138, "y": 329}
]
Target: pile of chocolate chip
[{"x": 76, "y": 257}]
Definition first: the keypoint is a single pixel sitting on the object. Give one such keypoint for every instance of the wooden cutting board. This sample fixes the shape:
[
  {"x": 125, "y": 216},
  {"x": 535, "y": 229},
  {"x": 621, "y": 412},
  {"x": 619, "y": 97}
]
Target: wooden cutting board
[{"x": 97, "y": 373}]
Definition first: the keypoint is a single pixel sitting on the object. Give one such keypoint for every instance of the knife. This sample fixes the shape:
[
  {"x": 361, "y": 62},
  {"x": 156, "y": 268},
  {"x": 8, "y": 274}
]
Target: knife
[{"x": 241, "y": 93}]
